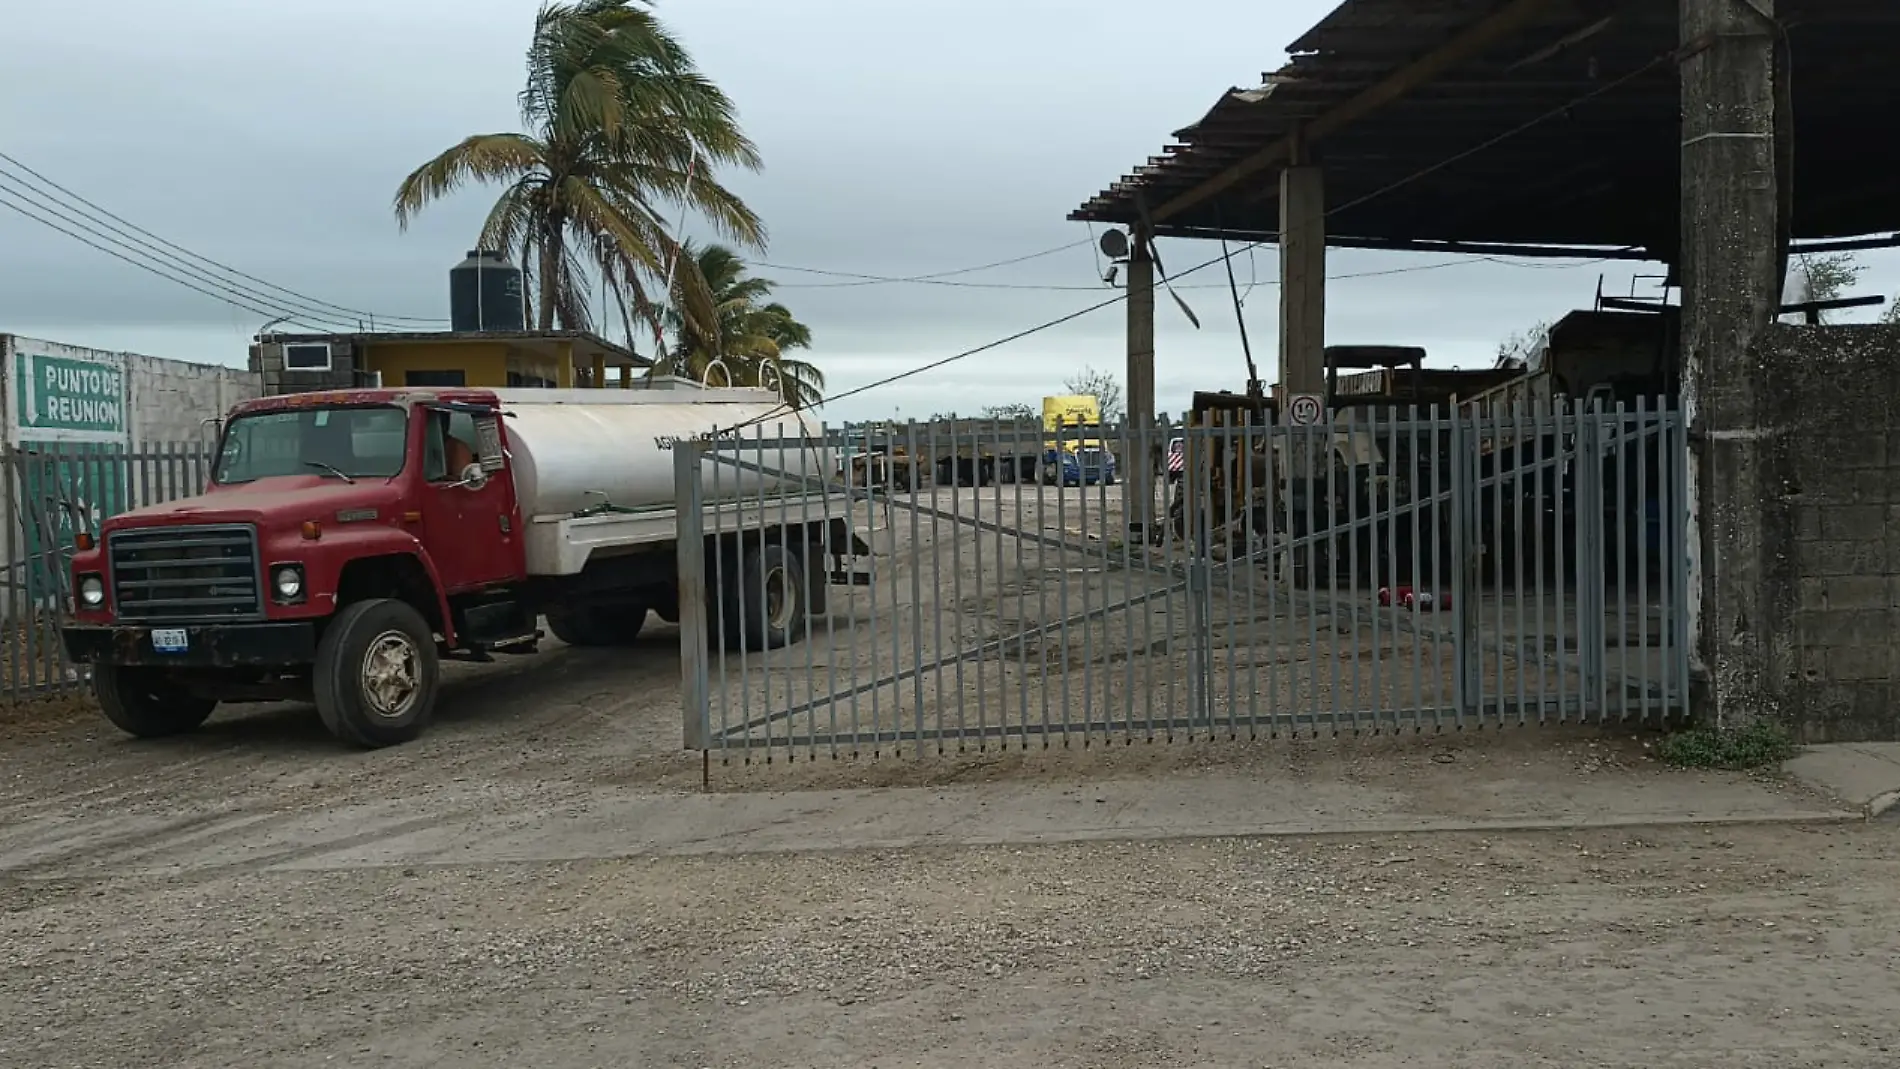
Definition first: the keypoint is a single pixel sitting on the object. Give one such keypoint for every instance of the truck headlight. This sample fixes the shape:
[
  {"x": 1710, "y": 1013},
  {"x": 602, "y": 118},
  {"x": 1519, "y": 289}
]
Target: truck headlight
[
  {"x": 287, "y": 580},
  {"x": 92, "y": 591}
]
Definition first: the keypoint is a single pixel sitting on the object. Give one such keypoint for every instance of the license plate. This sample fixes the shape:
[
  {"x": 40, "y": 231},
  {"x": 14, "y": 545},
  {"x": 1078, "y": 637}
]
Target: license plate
[{"x": 170, "y": 640}]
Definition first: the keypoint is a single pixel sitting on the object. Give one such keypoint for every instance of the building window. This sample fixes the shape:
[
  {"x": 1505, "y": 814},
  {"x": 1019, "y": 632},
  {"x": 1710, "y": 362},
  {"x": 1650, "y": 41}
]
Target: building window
[
  {"x": 516, "y": 378},
  {"x": 435, "y": 378},
  {"x": 307, "y": 356}
]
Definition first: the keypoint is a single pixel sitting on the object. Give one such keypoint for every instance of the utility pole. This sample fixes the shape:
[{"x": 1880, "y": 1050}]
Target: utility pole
[
  {"x": 1731, "y": 289},
  {"x": 1138, "y": 491}
]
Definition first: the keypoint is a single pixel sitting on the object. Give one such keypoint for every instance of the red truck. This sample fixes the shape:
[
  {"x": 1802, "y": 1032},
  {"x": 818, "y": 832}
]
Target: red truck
[{"x": 349, "y": 541}]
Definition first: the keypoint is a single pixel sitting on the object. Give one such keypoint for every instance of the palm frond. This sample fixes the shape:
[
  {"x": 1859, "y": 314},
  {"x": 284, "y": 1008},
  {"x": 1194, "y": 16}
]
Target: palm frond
[{"x": 482, "y": 158}]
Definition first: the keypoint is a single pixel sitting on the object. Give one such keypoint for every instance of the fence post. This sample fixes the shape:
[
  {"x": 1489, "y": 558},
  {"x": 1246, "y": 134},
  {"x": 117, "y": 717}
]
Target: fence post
[
  {"x": 1592, "y": 540},
  {"x": 691, "y": 553},
  {"x": 1462, "y": 531}
]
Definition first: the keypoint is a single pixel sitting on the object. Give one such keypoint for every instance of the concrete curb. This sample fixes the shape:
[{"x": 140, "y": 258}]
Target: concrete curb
[
  {"x": 1881, "y": 803},
  {"x": 1865, "y": 775}
]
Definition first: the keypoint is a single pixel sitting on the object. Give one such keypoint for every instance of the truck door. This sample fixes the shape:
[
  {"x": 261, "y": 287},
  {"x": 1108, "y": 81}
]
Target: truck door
[{"x": 472, "y": 530}]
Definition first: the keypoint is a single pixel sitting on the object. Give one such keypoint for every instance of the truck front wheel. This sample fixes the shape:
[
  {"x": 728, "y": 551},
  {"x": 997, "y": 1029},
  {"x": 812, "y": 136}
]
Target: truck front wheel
[
  {"x": 143, "y": 703},
  {"x": 377, "y": 673}
]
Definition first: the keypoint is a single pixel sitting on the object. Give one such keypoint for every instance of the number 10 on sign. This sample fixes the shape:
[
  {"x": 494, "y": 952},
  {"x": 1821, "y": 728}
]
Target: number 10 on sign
[{"x": 1306, "y": 410}]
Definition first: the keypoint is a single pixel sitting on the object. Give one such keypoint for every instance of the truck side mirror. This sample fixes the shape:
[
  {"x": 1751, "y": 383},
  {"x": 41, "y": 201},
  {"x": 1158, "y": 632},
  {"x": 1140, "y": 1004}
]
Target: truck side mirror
[{"x": 473, "y": 477}]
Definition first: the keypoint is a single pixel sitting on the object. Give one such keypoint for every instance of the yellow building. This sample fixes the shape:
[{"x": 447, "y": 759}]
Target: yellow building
[{"x": 293, "y": 363}]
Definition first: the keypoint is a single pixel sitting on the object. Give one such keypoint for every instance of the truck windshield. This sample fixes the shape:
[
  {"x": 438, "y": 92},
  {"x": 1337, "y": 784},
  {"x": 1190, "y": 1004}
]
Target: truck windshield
[{"x": 363, "y": 442}]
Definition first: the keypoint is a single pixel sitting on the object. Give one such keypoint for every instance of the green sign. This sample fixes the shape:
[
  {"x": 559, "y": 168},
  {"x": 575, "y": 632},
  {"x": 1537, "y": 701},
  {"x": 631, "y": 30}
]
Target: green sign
[{"x": 70, "y": 398}]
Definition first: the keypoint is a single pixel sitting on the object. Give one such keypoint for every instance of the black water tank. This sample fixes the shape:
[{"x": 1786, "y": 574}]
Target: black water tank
[{"x": 485, "y": 293}]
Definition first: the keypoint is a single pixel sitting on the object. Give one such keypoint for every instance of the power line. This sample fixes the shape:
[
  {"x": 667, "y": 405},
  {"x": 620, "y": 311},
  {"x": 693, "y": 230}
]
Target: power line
[
  {"x": 877, "y": 280},
  {"x": 1058, "y": 288},
  {"x": 1554, "y": 113},
  {"x": 1228, "y": 255},
  {"x": 315, "y": 305},
  {"x": 43, "y": 221},
  {"x": 999, "y": 342},
  {"x": 165, "y": 267}
]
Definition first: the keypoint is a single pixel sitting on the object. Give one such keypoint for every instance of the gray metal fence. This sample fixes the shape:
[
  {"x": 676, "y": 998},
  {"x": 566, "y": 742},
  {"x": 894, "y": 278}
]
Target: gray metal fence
[
  {"x": 53, "y": 491},
  {"x": 1388, "y": 570}
]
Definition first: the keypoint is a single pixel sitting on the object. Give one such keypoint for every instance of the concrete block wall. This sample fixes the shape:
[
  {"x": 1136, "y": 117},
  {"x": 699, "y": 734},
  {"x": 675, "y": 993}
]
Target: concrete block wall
[
  {"x": 171, "y": 399},
  {"x": 1831, "y": 530},
  {"x": 267, "y": 361},
  {"x": 164, "y": 400}
]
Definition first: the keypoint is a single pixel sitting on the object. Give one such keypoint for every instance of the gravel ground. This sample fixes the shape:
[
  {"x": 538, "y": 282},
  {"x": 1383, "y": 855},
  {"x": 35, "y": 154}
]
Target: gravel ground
[
  {"x": 1743, "y": 946},
  {"x": 1740, "y": 947}
]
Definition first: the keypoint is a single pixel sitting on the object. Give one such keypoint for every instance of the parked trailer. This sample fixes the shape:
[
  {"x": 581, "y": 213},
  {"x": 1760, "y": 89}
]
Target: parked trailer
[
  {"x": 351, "y": 540},
  {"x": 982, "y": 452}
]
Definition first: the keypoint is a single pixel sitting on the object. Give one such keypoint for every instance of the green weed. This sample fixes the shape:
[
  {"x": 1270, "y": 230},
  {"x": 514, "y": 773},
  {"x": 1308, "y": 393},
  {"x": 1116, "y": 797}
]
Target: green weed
[{"x": 1757, "y": 745}]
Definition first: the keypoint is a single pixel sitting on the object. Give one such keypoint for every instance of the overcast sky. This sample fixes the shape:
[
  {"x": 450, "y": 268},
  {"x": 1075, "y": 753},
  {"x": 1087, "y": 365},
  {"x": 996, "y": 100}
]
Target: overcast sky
[{"x": 899, "y": 139}]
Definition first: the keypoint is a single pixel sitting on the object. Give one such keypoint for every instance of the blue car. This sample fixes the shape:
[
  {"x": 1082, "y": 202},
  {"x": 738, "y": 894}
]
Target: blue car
[{"x": 1079, "y": 467}]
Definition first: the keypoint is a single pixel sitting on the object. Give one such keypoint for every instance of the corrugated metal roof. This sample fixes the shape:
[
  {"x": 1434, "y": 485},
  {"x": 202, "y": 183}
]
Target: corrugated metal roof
[{"x": 1563, "y": 131}]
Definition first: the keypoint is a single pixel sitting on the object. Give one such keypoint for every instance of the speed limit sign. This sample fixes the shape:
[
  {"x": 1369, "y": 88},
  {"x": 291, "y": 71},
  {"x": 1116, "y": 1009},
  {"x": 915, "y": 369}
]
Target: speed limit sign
[{"x": 1305, "y": 410}]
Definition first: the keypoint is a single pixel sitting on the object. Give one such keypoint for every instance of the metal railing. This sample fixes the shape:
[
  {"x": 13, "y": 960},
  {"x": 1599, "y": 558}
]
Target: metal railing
[
  {"x": 53, "y": 490},
  {"x": 1411, "y": 569}
]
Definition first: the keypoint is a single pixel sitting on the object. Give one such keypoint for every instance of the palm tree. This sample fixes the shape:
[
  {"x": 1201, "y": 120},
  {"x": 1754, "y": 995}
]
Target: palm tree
[
  {"x": 747, "y": 333},
  {"x": 620, "y": 123}
]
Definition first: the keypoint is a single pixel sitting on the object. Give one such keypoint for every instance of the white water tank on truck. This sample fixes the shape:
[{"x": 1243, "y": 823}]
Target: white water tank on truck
[{"x": 577, "y": 449}]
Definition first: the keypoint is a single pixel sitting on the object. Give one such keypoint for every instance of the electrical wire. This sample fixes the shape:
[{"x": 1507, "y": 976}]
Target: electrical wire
[
  {"x": 10, "y": 205},
  {"x": 308, "y": 303},
  {"x": 1556, "y": 112},
  {"x": 1057, "y": 288},
  {"x": 778, "y": 413},
  {"x": 164, "y": 267},
  {"x": 1117, "y": 299},
  {"x": 1227, "y": 256},
  {"x": 879, "y": 279}
]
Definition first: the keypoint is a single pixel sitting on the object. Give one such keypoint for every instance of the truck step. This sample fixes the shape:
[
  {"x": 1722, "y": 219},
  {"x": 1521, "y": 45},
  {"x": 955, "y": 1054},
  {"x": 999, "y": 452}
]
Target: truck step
[
  {"x": 524, "y": 643},
  {"x": 842, "y": 577},
  {"x": 481, "y": 653}
]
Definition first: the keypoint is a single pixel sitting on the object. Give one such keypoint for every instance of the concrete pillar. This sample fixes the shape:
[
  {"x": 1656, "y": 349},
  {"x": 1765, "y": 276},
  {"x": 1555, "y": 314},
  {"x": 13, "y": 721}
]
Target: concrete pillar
[
  {"x": 599, "y": 378},
  {"x": 1302, "y": 280},
  {"x": 564, "y": 365},
  {"x": 1138, "y": 487},
  {"x": 1730, "y": 292}
]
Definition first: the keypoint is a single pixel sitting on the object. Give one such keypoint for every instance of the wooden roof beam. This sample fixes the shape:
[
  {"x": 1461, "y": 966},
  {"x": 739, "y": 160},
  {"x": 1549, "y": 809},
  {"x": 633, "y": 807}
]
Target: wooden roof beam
[{"x": 1467, "y": 45}]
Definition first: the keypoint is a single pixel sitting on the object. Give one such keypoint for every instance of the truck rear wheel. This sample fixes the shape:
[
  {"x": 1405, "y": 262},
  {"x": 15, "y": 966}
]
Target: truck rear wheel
[
  {"x": 599, "y": 625},
  {"x": 765, "y": 606},
  {"x": 143, "y": 703},
  {"x": 377, "y": 673}
]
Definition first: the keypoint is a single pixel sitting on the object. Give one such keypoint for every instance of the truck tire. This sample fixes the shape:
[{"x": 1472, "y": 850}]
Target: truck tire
[
  {"x": 141, "y": 703},
  {"x": 377, "y": 673},
  {"x": 599, "y": 625},
  {"x": 780, "y": 616}
]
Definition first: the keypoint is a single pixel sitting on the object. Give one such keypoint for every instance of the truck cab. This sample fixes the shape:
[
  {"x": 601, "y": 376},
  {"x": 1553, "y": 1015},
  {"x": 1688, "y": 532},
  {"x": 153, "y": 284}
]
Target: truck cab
[
  {"x": 346, "y": 542},
  {"x": 319, "y": 562}
]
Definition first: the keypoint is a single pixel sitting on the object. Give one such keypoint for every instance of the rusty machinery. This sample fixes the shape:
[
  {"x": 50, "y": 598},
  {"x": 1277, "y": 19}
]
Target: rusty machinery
[{"x": 1362, "y": 472}]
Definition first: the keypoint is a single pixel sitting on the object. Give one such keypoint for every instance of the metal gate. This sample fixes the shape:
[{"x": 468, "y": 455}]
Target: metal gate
[{"x": 1389, "y": 570}]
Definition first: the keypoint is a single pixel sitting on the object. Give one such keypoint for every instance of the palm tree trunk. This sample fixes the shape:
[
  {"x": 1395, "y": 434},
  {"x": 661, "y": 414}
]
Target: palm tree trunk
[{"x": 550, "y": 273}]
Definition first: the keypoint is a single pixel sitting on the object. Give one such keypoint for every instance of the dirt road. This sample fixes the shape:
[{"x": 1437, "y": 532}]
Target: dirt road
[
  {"x": 1743, "y": 946},
  {"x": 1752, "y": 947}
]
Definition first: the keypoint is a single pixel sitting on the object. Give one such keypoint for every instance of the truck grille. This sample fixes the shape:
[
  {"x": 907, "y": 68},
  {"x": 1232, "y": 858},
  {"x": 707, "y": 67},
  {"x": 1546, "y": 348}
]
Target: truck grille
[{"x": 186, "y": 573}]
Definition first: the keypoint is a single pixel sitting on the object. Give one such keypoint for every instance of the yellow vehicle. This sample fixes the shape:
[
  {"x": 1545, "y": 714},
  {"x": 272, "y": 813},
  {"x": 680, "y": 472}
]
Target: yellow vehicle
[{"x": 1067, "y": 416}]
